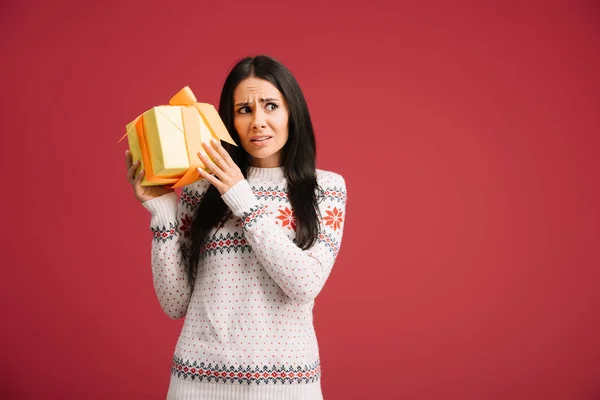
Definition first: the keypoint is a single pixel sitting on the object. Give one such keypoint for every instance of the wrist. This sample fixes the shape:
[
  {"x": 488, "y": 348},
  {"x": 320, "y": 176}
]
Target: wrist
[{"x": 240, "y": 198}]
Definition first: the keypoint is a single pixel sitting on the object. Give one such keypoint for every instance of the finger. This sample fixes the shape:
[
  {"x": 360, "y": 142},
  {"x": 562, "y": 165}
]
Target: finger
[
  {"x": 211, "y": 165},
  {"x": 210, "y": 149},
  {"x": 131, "y": 171},
  {"x": 137, "y": 183},
  {"x": 211, "y": 178},
  {"x": 224, "y": 153}
]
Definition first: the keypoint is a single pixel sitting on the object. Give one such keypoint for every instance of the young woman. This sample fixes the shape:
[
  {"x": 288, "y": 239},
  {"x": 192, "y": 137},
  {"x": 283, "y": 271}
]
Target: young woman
[{"x": 243, "y": 252}]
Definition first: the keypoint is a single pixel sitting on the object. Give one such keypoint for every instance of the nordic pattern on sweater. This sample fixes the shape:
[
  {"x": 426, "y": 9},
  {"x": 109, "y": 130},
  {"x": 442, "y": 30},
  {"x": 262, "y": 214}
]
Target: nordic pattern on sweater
[{"x": 248, "y": 318}]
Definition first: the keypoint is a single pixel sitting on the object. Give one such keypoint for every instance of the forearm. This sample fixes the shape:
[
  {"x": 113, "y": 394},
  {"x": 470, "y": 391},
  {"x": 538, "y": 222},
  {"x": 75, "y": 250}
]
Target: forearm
[
  {"x": 171, "y": 282},
  {"x": 301, "y": 274},
  {"x": 298, "y": 273}
]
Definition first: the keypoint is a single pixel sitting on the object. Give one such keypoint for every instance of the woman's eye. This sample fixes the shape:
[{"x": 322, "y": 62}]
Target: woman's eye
[
  {"x": 244, "y": 110},
  {"x": 271, "y": 106}
]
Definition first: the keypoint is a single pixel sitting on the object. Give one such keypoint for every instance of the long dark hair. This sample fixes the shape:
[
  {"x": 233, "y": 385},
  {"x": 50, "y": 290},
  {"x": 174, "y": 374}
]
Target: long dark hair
[{"x": 298, "y": 156}]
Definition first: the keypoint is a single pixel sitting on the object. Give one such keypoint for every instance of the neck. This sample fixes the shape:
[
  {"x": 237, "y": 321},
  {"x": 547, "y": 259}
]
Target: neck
[
  {"x": 265, "y": 172},
  {"x": 273, "y": 161}
]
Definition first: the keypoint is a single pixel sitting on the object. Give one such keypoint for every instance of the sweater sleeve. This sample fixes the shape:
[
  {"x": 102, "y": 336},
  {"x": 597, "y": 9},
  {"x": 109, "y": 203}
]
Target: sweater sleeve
[
  {"x": 170, "y": 224},
  {"x": 301, "y": 274}
]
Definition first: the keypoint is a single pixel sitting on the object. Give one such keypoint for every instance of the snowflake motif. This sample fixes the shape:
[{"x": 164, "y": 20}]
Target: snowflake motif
[
  {"x": 287, "y": 218},
  {"x": 186, "y": 224},
  {"x": 334, "y": 218}
]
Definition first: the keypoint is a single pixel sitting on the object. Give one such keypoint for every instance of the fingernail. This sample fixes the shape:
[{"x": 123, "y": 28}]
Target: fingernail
[{"x": 214, "y": 140}]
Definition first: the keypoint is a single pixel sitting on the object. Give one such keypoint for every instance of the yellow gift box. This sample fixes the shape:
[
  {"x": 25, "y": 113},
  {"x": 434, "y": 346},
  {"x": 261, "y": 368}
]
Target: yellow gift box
[{"x": 167, "y": 139}]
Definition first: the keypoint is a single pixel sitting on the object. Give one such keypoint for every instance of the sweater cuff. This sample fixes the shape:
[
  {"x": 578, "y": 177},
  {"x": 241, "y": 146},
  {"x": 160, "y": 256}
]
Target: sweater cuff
[
  {"x": 240, "y": 198},
  {"x": 163, "y": 209}
]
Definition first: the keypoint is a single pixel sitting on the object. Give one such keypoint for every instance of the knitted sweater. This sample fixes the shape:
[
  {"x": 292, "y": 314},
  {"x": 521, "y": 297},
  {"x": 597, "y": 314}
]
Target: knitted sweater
[{"x": 248, "y": 331}]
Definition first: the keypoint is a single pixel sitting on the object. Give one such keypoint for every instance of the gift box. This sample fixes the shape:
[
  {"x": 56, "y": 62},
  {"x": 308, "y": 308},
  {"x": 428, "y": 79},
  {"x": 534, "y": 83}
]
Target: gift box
[{"x": 166, "y": 139}]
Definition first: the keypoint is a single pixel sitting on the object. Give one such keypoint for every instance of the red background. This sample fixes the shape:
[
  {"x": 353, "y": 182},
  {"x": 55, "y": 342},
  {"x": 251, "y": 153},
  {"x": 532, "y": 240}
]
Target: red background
[{"x": 468, "y": 137}]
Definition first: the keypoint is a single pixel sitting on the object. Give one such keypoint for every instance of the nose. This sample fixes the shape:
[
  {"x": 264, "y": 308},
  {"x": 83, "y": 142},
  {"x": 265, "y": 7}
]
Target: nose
[{"x": 258, "y": 120}]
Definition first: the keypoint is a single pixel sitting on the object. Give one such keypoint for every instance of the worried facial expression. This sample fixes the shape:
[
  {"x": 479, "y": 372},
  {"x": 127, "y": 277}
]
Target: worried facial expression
[{"x": 261, "y": 120}]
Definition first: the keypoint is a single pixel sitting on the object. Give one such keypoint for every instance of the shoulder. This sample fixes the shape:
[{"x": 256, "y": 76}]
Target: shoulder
[
  {"x": 330, "y": 179},
  {"x": 192, "y": 194},
  {"x": 332, "y": 186}
]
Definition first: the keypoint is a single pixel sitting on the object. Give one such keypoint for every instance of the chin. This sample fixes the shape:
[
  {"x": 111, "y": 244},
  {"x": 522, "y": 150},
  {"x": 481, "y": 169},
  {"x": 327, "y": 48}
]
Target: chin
[
  {"x": 261, "y": 156},
  {"x": 261, "y": 153}
]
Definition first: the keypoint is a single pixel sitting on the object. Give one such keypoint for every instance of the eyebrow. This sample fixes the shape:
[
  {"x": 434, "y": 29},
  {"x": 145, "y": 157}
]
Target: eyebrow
[{"x": 260, "y": 100}]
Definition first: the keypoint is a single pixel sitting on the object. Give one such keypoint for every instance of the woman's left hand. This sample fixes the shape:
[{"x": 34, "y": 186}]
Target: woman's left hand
[{"x": 226, "y": 173}]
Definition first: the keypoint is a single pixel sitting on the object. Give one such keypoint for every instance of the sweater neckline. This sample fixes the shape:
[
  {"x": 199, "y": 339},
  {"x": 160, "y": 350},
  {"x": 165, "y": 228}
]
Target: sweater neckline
[{"x": 260, "y": 172}]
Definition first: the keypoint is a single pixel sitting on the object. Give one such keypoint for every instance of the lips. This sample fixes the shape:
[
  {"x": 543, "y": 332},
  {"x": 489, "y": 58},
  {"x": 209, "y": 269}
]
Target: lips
[{"x": 258, "y": 139}]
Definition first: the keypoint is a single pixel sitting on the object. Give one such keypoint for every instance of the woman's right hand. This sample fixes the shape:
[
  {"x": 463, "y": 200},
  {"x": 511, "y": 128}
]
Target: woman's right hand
[{"x": 142, "y": 193}]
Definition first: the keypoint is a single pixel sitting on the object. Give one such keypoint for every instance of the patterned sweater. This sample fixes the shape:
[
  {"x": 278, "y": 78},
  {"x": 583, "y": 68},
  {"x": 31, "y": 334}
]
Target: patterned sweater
[{"x": 248, "y": 319}]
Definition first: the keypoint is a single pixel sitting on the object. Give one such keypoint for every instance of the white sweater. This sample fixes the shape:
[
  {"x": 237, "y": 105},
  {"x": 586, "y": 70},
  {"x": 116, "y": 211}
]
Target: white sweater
[{"x": 248, "y": 330}]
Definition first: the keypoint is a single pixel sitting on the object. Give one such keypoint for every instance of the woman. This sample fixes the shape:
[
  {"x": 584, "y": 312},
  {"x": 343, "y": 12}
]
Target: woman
[{"x": 243, "y": 252}]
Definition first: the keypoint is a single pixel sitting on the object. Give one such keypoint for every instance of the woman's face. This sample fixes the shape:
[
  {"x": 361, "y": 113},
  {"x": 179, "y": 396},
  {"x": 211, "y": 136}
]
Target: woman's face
[{"x": 261, "y": 121}]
